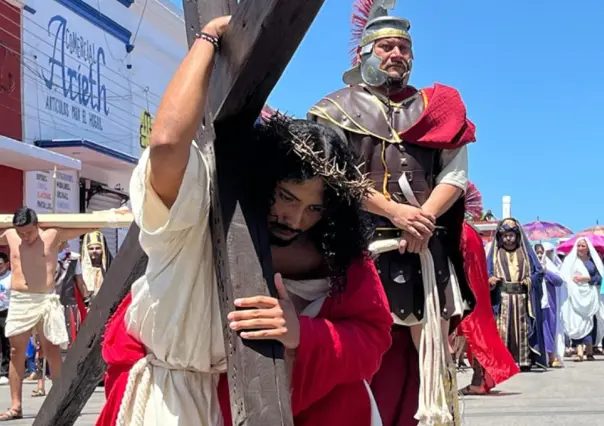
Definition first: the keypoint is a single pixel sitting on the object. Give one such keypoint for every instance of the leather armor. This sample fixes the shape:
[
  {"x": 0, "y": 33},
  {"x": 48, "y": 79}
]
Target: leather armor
[{"x": 372, "y": 127}]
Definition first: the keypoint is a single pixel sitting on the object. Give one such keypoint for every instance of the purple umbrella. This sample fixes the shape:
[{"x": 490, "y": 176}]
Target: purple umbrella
[
  {"x": 596, "y": 240},
  {"x": 540, "y": 230}
]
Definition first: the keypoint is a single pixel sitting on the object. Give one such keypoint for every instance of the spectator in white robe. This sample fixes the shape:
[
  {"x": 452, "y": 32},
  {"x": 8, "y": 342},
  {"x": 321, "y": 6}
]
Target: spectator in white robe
[{"x": 583, "y": 310}]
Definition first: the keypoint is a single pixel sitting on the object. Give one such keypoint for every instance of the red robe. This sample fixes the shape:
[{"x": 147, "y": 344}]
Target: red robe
[
  {"x": 442, "y": 125},
  {"x": 480, "y": 328},
  {"x": 339, "y": 349}
]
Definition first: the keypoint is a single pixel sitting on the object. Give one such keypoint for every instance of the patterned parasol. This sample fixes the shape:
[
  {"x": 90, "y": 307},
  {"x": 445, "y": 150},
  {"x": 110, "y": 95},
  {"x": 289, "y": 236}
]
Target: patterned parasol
[
  {"x": 596, "y": 240},
  {"x": 473, "y": 202},
  {"x": 540, "y": 230},
  {"x": 594, "y": 230}
]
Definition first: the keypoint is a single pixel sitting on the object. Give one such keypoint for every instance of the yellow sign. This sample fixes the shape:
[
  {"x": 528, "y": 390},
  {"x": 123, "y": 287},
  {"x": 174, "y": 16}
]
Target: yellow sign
[{"x": 146, "y": 125}]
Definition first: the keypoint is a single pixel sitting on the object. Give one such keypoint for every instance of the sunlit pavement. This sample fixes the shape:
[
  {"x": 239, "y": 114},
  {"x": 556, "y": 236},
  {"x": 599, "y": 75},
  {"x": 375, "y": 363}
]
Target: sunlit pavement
[{"x": 569, "y": 397}]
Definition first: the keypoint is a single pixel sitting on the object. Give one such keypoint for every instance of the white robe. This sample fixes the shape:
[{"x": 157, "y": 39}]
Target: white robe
[
  {"x": 583, "y": 301},
  {"x": 175, "y": 308}
]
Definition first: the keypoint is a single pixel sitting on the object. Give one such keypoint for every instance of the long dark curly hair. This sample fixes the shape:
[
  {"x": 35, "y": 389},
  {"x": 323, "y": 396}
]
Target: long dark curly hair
[{"x": 343, "y": 233}]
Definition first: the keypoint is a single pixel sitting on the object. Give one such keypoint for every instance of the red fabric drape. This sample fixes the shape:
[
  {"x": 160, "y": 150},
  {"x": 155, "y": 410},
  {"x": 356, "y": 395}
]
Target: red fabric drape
[
  {"x": 444, "y": 123},
  {"x": 480, "y": 328},
  {"x": 338, "y": 350},
  {"x": 80, "y": 303}
]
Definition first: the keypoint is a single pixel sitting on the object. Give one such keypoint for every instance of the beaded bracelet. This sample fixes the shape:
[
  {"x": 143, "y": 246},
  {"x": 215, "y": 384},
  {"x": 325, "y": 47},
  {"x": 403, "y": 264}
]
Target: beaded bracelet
[{"x": 210, "y": 38}]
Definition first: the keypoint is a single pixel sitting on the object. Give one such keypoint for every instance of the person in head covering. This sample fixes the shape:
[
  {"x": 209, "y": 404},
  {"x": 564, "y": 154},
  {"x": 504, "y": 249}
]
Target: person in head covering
[
  {"x": 553, "y": 332},
  {"x": 516, "y": 276},
  {"x": 583, "y": 311},
  {"x": 552, "y": 254},
  {"x": 96, "y": 259},
  {"x": 413, "y": 145}
]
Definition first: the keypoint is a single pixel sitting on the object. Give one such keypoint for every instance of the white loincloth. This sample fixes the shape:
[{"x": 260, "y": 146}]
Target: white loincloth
[{"x": 27, "y": 310}]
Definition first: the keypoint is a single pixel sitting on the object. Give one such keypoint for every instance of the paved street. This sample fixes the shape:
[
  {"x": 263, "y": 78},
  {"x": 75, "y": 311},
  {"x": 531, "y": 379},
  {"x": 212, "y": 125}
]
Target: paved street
[{"x": 572, "y": 396}]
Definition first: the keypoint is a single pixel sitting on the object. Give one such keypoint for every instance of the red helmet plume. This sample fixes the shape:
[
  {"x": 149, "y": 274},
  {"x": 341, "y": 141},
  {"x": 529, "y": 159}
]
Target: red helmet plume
[
  {"x": 360, "y": 17},
  {"x": 473, "y": 201}
]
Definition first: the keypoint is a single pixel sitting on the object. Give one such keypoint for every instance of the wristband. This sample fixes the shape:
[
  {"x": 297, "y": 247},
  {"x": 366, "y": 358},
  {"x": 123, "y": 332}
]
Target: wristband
[{"x": 211, "y": 39}]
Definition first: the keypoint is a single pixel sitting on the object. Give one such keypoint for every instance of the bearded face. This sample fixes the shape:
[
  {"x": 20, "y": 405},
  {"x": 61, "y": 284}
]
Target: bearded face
[
  {"x": 95, "y": 251},
  {"x": 297, "y": 207}
]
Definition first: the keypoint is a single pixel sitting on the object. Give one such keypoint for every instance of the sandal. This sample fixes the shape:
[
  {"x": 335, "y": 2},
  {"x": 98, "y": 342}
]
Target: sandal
[
  {"x": 11, "y": 414},
  {"x": 468, "y": 391},
  {"x": 38, "y": 392}
]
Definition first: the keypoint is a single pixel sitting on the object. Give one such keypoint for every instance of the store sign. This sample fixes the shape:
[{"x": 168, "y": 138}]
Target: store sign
[
  {"x": 76, "y": 83},
  {"x": 82, "y": 94},
  {"x": 145, "y": 127},
  {"x": 43, "y": 198}
]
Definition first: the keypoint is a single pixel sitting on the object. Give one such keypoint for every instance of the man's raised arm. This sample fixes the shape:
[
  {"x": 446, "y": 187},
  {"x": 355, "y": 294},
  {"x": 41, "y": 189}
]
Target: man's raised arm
[{"x": 180, "y": 113}]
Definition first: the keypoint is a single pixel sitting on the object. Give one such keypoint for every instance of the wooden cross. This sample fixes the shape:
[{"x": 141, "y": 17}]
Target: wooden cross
[{"x": 260, "y": 41}]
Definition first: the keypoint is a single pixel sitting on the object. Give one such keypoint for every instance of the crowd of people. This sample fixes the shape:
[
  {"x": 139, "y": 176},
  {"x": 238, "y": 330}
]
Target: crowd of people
[
  {"x": 377, "y": 268},
  {"x": 547, "y": 304},
  {"x": 45, "y": 289}
]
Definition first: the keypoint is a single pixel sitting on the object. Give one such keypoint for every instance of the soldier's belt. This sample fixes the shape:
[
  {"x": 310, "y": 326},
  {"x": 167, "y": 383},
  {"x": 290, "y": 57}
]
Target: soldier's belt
[
  {"x": 388, "y": 233},
  {"x": 514, "y": 288}
]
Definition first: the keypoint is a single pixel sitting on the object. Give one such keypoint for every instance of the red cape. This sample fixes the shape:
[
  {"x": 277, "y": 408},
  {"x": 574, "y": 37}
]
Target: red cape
[
  {"x": 444, "y": 123},
  {"x": 338, "y": 349},
  {"x": 80, "y": 303},
  {"x": 480, "y": 328}
]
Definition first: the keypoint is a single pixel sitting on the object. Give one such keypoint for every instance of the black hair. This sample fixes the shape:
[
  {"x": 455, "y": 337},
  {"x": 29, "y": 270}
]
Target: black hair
[
  {"x": 344, "y": 231},
  {"x": 25, "y": 216},
  {"x": 4, "y": 257},
  {"x": 539, "y": 245}
]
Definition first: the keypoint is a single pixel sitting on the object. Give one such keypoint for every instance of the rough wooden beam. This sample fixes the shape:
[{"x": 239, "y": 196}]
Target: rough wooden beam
[
  {"x": 260, "y": 42},
  {"x": 84, "y": 367},
  {"x": 261, "y": 39},
  {"x": 92, "y": 220}
]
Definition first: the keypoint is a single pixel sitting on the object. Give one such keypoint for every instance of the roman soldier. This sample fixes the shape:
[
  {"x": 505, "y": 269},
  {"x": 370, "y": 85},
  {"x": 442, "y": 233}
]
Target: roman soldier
[{"x": 413, "y": 144}]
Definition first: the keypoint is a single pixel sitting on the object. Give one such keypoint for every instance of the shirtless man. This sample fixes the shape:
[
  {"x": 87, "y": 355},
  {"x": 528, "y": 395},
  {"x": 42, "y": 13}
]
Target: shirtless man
[{"x": 34, "y": 304}]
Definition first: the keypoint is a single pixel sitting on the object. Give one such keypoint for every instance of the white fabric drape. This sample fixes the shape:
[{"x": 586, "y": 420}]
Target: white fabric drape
[{"x": 583, "y": 301}]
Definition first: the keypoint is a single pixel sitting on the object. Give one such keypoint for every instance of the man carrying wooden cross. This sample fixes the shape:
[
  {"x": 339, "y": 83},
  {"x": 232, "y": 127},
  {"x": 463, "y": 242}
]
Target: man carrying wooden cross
[
  {"x": 34, "y": 302},
  {"x": 164, "y": 346}
]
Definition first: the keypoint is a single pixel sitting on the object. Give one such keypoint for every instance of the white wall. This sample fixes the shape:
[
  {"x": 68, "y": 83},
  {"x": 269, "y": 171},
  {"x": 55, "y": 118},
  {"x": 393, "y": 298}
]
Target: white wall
[{"x": 109, "y": 110}]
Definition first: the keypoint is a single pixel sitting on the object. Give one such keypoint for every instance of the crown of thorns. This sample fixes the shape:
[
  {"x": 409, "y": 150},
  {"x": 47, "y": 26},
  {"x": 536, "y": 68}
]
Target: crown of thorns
[{"x": 346, "y": 180}]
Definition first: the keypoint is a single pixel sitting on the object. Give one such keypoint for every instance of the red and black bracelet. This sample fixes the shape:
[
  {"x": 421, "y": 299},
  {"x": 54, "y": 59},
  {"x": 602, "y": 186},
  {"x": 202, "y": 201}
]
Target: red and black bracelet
[{"x": 210, "y": 38}]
